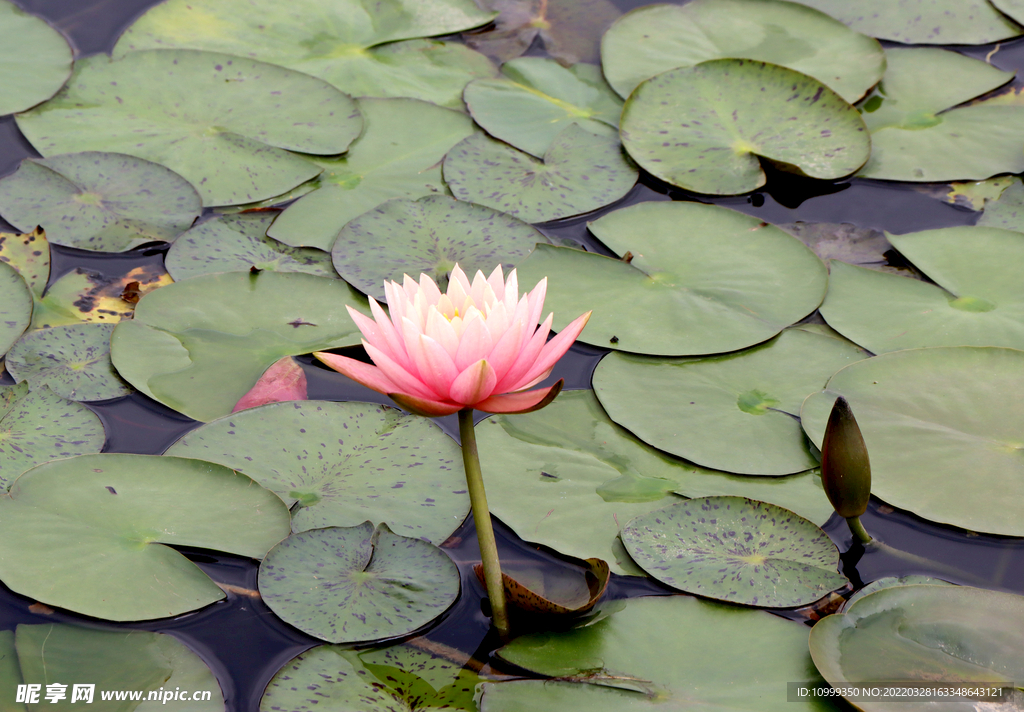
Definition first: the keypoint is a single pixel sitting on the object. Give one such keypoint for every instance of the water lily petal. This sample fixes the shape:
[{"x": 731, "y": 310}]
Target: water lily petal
[
  {"x": 497, "y": 282},
  {"x": 504, "y": 353},
  {"x": 442, "y": 331},
  {"x": 283, "y": 381},
  {"x": 395, "y": 346},
  {"x": 552, "y": 351},
  {"x": 423, "y": 406},
  {"x": 511, "y": 296},
  {"x": 401, "y": 378},
  {"x": 526, "y": 358},
  {"x": 475, "y": 344},
  {"x": 438, "y": 369},
  {"x": 370, "y": 376},
  {"x": 474, "y": 384},
  {"x": 520, "y": 402},
  {"x": 536, "y": 300},
  {"x": 429, "y": 290}
]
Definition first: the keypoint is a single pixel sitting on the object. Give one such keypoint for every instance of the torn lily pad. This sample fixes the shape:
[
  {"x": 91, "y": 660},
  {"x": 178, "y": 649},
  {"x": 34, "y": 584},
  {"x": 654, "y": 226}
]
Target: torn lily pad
[
  {"x": 398, "y": 155},
  {"x": 106, "y": 202},
  {"x": 565, "y": 593},
  {"x": 351, "y": 584},
  {"x": 430, "y": 235},
  {"x": 239, "y": 242},
  {"x": 15, "y": 306},
  {"x": 705, "y": 128},
  {"x": 736, "y": 549},
  {"x": 580, "y": 172},
  {"x": 73, "y": 360},
  {"x": 651, "y": 40},
  {"x": 180, "y": 101},
  {"x": 537, "y": 98},
  {"x": 35, "y": 59},
  {"x": 91, "y": 533},
  {"x": 41, "y": 426},
  {"x": 348, "y": 463}
]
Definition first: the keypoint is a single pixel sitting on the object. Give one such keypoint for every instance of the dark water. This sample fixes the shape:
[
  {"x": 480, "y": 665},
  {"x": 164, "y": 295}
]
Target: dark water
[{"x": 245, "y": 644}]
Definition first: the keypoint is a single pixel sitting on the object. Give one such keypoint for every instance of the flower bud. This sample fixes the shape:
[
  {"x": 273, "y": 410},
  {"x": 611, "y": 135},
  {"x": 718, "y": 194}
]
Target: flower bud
[{"x": 845, "y": 469}]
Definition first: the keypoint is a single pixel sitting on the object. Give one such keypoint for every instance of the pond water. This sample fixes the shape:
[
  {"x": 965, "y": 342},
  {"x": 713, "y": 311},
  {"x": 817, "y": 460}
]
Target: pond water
[{"x": 245, "y": 644}]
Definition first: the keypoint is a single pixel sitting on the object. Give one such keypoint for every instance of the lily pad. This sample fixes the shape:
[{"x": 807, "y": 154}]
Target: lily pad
[
  {"x": 35, "y": 59},
  {"x": 976, "y": 301},
  {"x": 345, "y": 463},
  {"x": 661, "y": 653},
  {"x": 176, "y": 108},
  {"x": 704, "y": 128},
  {"x": 74, "y": 361},
  {"x": 654, "y": 39},
  {"x": 890, "y": 582},
  {"x": 92, "y": 297},
  {"x": 580, "y": 172},
  {"x": 537, "y": 98},
  {"x": 1007, "y": 211},
  {"x": 349, "y": 584},
  {"x": 199, "y": 345},
  {"x": 702, "y": 279},
  {"x": 569, "y": 478},
  {"x": 977, "y": 194},
  {"x": 239, "y": 242},
  {"x": 863, "y": 246},
  {"x": 938, "y": 422},
  {"x": 15, "y": 306},
  {"x": 736, "y": 549},
  {"x": 398, "y": 155},
  {"x": 738, "y": 412},
  {"x": 338, "y": 42},
  {"x": 40, "y": 426},
  {"x": 922, "y": 21},
  {"x": 923, "y": 634},
  {"x": 399, "y": 677},
  {"x": 430, "y": 235},
  {"x": 89, "y": 533},
  {"x": 107, "y": 202},
  {"x": 528, "y": 590}
]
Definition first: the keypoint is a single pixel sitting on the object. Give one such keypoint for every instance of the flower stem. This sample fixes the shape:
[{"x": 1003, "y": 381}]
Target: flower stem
[
  {"x": 482, "y": 518},
  {"x": 859, "y": 533}
]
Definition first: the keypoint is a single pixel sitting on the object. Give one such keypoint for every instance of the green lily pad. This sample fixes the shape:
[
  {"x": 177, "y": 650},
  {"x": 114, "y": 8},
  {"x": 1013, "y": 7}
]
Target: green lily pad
[
  {"x": 400, "y": 677},
  {"x": 347, "y": 463},
  {"x": 1007, "y": 211},
  {"x": 938, "y": 422},
  {"x": 348, "y": 584},
  {"x": 724, "y": 282},
  {"x": 922, "y": 21},
  {"x": 654, "y": 39},
  {"x": 176, "y": 108},
  {"x": 89, "y": 533},
  {"x": 569, "y": 478},
  {"x": 199, "y": 345},
  {"x": 580, "y": 172},
  {"x": 335, "y": 41},
  {"x": 74, "y": 361},
  {"x": 239, "y": 242},
  {"x": 15, "y": 306},
  {"x": 537, "y": 98},
  {"x": 398, "y": 155},
  {"x": 736, "y": 549},
  {"x": 706, "y": 127},
  {"x": 40, "y": 426},
  {"x": 924, "y": 634},
  {"x": 430, "y": 235},
  {"x": 661, "y": 653},
  {"x": 106, "y": 202},
  {"x": 976, "y": 301},
  {"x": 35, "y": 59},
  {"x": 111, "y": 660},
  {"x": 737, "y": 412},
  {"x": 890, "y": 582}
]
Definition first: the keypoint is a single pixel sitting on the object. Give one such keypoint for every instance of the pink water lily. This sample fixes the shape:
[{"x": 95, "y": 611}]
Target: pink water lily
[{"x": 476, "y": 346}]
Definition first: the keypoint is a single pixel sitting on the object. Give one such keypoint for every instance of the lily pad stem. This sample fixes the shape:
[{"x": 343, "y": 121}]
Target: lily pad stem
[
  {"x": 859, "y": 533},
  {"x": 482, "y": 518}
]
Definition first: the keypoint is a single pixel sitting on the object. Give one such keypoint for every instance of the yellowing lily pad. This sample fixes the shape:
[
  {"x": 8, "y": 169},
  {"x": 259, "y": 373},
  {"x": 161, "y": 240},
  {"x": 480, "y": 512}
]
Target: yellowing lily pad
[
  {"x": 15, "y": 306},
  {"x": 35, "y": 59}
]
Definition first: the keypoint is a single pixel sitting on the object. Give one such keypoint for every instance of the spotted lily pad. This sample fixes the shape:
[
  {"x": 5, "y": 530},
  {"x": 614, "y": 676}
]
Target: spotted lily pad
[
  {"x": 40, "y": 426},
  {"x": 346, "y": 463},
  {"x": 83, "y": 295},
  {"x": 35, "y": 59},
  {"x": 736, "y": 549},
  {"x": 74, "y": 361},
  {"x": 106, "y": 202},
  {"x": 349, "y": 584},
  {"x": 240, "y": 242},
  {"x": 938, "y": 422},
  {"x": 738, "y": 412},
  {"x": 181, "y": 102},
  {"x": 654, "y": 39},
  {"x": 976, "y": 299},
  {"x": 924, "y": 634},
  {"x": 15, "y": 306},
  {"x": 89, "y": 533},
  {"x": 580, "y": 172},
  {"x": 537, "y": 98},
  {"x": 705, "y": 127},
  {"x": 199, "y": 345},
  {"x": 430, "y": 235},
  {"x": 398, "y": 155},
  {"x": 702, "y": 279},
  {"x": 569, "y": 478},
  {"x": 1007, "y": 211}
]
